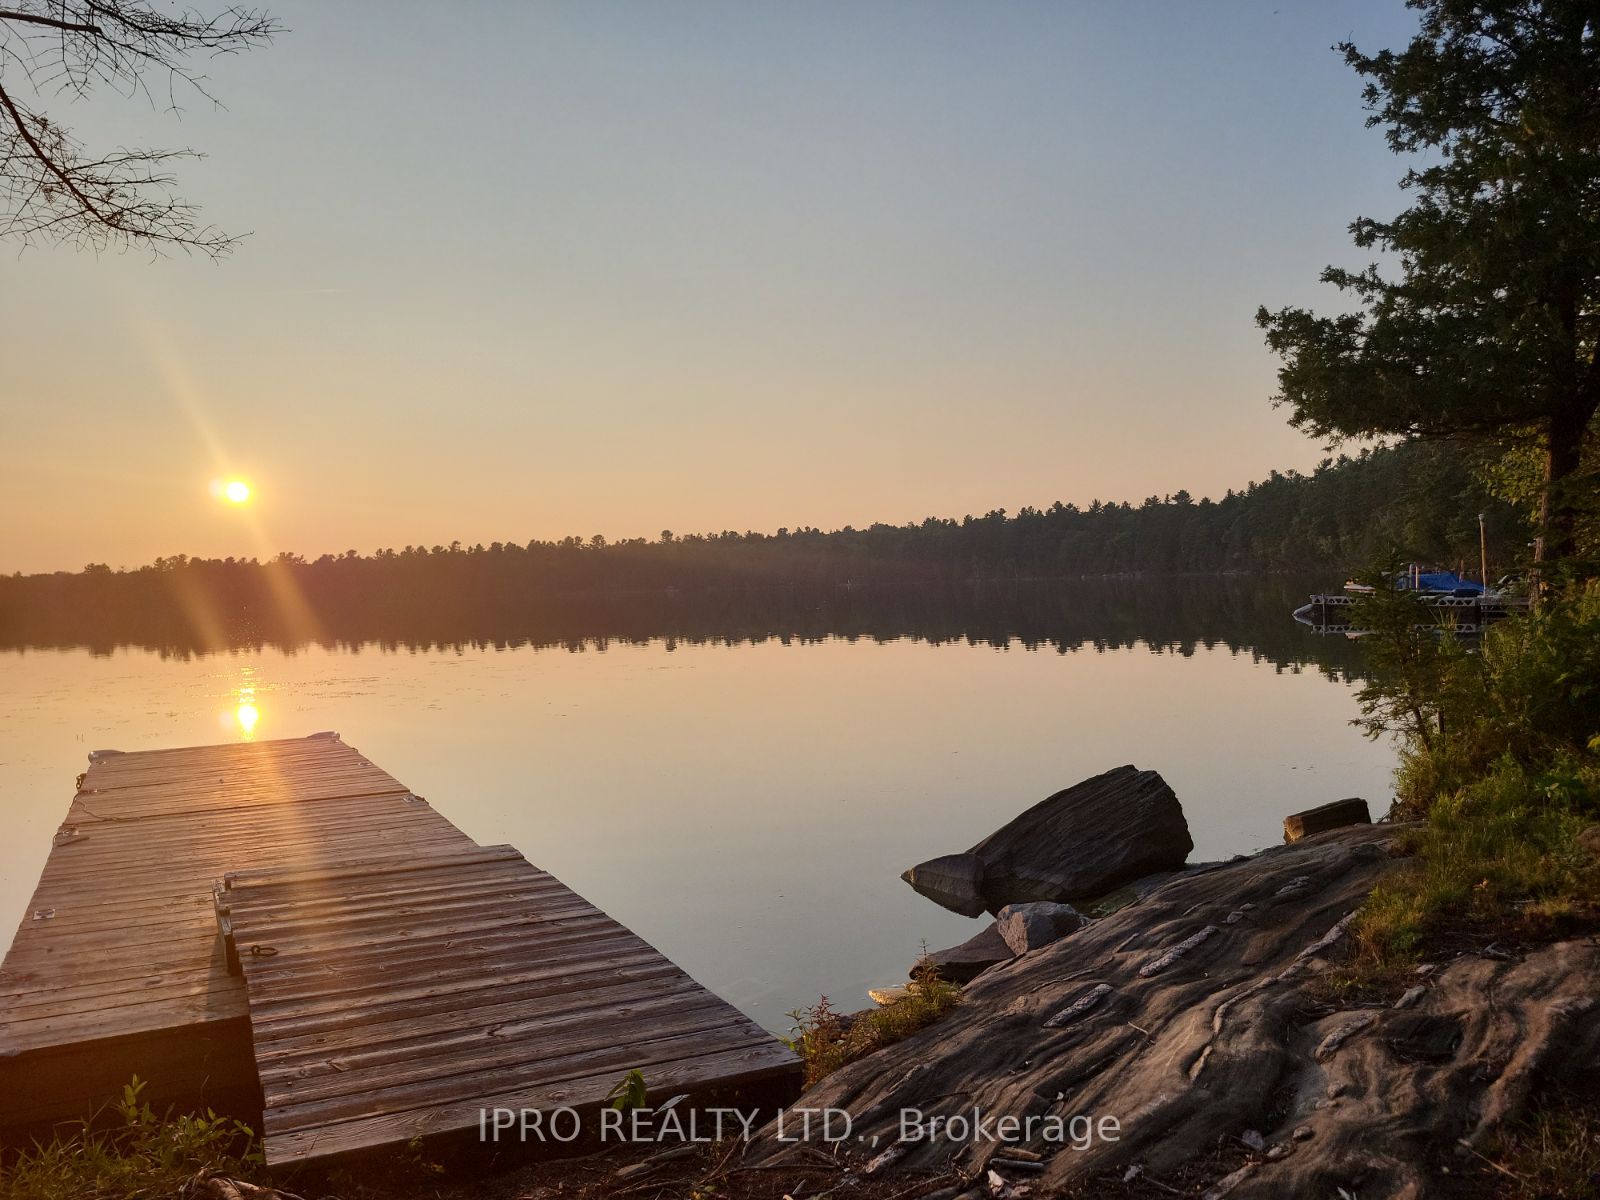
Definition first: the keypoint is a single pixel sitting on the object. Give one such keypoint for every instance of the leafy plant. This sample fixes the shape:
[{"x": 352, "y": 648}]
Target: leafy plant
[
  {"x": 826, "y": 1039},
  {"x": 138, "y": 1154},
  {"x": 628, "y": 1092}
]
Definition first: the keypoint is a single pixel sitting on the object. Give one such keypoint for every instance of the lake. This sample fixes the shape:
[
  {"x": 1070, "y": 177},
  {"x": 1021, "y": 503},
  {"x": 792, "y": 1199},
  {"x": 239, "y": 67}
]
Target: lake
[{"x": 742, "y": 781}]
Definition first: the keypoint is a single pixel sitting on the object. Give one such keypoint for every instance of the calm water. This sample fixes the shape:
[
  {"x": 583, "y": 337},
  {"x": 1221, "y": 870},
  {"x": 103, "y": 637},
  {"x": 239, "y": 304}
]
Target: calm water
[{"x": 746, "y": 799}]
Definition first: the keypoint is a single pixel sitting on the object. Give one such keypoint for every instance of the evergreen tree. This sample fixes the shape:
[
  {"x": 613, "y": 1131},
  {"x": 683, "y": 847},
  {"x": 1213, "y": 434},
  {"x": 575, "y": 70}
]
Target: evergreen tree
[{"x": 1489, "y": 327}]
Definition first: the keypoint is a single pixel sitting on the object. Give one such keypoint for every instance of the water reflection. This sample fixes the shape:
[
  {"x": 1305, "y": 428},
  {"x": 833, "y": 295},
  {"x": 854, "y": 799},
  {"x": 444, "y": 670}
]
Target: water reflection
[
  {"x": 245, "y": 711},
  {"x": 247, "y": 715},
  {"x": 1179, "y": 614},
  {"x": 740, "y": 777}
]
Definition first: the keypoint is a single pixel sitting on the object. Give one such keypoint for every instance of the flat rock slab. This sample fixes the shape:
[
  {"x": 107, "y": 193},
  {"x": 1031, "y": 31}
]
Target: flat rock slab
[
  {"x": 1080, "y": 843},
  {"x": 964, "y": 963}
]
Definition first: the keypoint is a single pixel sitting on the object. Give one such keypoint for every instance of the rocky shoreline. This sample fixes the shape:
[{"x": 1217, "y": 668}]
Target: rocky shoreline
[{"x": 1191, "y": 1017}]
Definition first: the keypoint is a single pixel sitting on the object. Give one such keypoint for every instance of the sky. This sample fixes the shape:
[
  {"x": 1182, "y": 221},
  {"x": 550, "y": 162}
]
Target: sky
[{"x": 524, "y": 271}]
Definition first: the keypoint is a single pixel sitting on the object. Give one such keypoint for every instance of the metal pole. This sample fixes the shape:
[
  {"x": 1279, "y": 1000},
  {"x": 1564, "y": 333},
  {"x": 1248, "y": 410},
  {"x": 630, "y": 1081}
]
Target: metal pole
[{"x": 1483, "y": 553}]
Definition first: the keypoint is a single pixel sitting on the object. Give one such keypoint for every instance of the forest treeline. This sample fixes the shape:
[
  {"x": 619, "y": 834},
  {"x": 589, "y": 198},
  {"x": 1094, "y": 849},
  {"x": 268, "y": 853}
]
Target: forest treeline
[{"x": 1417, "y": 499}]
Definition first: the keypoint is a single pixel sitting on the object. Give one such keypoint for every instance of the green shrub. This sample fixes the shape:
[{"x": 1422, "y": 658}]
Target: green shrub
[
  {"x": 1529, "y": 689},
  {"x": 826, "y": 1039},
  {"x": 139, "y": 1155}
]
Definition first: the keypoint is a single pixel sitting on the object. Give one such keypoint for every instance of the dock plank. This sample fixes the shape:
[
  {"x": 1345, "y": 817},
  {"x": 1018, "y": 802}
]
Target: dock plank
[
  {"x": 401, "y": 998},
  {"x": 125, "y": 975},
  {"x": 410, "y": 977}
]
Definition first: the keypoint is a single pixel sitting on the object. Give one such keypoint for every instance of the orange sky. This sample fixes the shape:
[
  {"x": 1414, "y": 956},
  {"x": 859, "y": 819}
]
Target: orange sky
[{"x": 626, "y": 268}]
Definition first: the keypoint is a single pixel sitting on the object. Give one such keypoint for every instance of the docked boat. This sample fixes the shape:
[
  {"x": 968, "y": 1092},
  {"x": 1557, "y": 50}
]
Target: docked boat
[{"x": 1458, "y": 604}]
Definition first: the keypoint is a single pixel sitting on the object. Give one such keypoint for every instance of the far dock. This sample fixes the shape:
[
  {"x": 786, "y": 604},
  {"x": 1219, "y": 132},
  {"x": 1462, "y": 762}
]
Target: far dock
[{"x": 402, "y": 977}]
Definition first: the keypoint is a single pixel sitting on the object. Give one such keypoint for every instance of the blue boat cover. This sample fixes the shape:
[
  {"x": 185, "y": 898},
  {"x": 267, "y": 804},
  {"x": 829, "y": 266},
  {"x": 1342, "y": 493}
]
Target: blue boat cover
[{"x": 1443, "y": 581}]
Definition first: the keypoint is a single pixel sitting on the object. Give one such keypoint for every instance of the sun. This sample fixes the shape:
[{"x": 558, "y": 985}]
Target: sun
[{"x": 236, "y": 491}]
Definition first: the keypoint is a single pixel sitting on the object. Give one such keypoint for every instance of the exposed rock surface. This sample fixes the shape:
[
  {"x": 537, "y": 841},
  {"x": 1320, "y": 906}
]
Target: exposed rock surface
[
  {"x": 1075, "y": 845},
  {"x": 1185, "y": 1017},
  {"x": 1029, "y": 926},
  {"x": 964, "y": 963}
]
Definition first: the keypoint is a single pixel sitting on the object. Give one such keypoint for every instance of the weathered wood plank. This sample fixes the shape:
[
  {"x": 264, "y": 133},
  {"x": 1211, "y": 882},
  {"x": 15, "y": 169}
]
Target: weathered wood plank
[
  {"x": 399, "y": 991},
  {"x": 126, "y": 971},
  {"x": 406, "y": 960}
]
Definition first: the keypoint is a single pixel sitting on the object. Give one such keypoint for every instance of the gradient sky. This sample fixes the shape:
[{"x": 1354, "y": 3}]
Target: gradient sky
[{"x": 534, "y": 270}]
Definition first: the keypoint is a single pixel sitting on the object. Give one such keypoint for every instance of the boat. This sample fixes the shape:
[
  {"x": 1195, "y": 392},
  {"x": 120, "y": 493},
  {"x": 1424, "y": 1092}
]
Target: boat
[{"x": 1462, "y": 605}]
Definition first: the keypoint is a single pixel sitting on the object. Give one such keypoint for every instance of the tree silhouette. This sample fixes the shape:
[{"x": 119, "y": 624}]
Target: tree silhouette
[
  {"x": 52, "y": 188},
  {"x": 1492, "y": 325}
]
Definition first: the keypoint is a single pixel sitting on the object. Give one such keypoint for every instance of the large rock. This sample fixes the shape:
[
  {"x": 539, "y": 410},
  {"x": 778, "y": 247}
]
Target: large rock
[
  {"x": 953, "y": 880},
  {"x": 1037, "y": 923},
  {"x": 1075, "y": 845},
  {"x": 964, "y": 963}
]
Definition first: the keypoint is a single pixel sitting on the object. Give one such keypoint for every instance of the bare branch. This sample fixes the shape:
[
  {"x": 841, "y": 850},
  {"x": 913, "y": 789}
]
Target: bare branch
[{"x": 50, "y": 189}]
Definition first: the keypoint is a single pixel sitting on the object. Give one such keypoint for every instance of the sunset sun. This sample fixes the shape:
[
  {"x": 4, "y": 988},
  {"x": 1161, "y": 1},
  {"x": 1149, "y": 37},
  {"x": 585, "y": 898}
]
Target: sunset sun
[{"x": 236, "y": 491}]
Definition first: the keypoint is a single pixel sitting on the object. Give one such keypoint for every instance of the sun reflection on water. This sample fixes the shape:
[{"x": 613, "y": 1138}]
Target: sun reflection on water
[
  {"x": 245, "y": 711},
  {"x": 247, "y": 715}
]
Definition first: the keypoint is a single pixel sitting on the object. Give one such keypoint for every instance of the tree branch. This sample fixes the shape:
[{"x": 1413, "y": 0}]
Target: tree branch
[{"x": 11, "y": 14}]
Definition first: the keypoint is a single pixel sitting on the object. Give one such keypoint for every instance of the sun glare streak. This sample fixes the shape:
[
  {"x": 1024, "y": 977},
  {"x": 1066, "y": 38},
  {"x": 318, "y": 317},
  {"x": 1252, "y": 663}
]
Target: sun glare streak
[{"x": 294, "y": 610}]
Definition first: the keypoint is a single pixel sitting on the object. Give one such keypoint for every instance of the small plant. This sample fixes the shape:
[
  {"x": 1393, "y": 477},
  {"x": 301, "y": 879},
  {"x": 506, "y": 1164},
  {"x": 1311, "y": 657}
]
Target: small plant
[
  {"x": 141, "y": 1154},
  {"x": 628, "y": 1092},
  {"x": 826, "y": 1039}
]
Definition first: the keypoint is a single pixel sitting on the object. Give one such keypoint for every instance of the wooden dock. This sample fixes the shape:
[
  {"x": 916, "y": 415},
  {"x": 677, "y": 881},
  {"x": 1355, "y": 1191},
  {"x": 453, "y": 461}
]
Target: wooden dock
[{"x": 403, "y": 978}]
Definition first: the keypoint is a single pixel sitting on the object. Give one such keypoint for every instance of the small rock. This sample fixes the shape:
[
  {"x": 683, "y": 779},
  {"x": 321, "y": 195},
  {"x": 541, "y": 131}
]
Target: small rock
[
  {"x": 1304, "y": 1133},
  {"x": 1160, "y": 963},
  {"x": 1037, "y": 923},
  {"x": 885, "y": 996},
  {"x": 1589, "y": 839},
  {"x": 1078, "y": 1007},
  {"x": 1253, "y": 1139},
  {"x": 1278, "y": 1151},
  {"x": 1411, "y": 997},
  {"x": 1330, "y": 1044},
  {"x": 887, "y": 1159},
  {"x": 1426, "y": 969}
]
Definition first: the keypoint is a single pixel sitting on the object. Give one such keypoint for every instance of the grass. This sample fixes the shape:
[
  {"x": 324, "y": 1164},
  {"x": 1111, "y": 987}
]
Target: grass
[
  {"x": 826, "y": 1039},
  {"x": 1552, "y": 1155},
  {"x": 136, "y": 1156},
  {"x": 1496, "y": 861}
]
